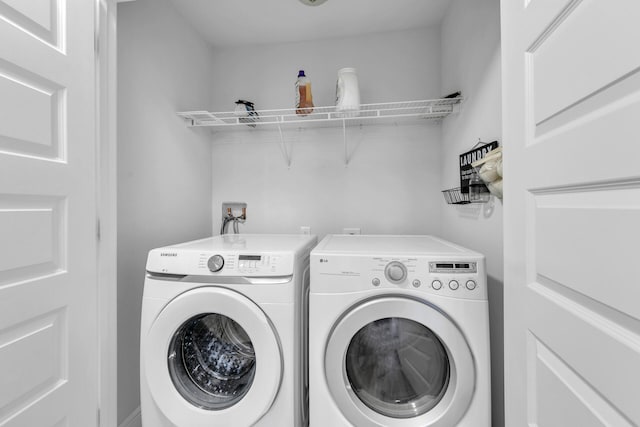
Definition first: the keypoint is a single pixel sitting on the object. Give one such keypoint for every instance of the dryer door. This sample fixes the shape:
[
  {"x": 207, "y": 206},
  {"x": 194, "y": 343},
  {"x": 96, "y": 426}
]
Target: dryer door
[
  {"x": 403, "y": 364},
  {"x": 212, "y": 357}
]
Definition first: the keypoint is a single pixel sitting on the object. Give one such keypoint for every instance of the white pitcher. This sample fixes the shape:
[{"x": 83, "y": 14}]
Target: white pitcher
[{"x": 347, "y": 92}]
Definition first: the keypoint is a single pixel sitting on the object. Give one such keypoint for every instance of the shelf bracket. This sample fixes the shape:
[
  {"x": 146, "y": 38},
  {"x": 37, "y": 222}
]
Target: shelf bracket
[
  {"x": 283, "y": 148},
  {"x": 346, "y": 146}
]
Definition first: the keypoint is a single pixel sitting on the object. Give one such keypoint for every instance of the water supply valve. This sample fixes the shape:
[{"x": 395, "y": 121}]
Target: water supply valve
[{"x": 233, "y": 212}]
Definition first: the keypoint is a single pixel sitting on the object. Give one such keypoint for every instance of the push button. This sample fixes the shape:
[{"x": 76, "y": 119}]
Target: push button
[
  {"x": 416, "y": 283},
  {"x": 453, "y": 285},
  {"x": 375, "y": 282}
]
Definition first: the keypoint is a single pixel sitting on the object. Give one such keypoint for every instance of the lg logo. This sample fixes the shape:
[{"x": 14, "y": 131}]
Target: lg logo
[{"x": 324, "y": 260}]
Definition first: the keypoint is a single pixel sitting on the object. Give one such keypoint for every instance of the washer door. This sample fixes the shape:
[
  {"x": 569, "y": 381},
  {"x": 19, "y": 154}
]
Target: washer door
[
  {"x": 212, "y": 357},
  {"x": 399, "y": 362}
]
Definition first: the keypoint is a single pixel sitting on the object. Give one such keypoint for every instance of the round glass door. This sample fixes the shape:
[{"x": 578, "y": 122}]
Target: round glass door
[
  {"x": 211, "y": 361},
  {"x": 396, "y": 361},
  {"x": 212, "y": 357},
  {"x": 397, "y": 367}
]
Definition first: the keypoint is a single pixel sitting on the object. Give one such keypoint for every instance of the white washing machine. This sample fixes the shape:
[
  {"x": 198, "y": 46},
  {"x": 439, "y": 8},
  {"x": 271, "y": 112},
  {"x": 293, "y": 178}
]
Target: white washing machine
[
  {"x": 398, "y": 333},
  {"x": 222, "y": 334}
]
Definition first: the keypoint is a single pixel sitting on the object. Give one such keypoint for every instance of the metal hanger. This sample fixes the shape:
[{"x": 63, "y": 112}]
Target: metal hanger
[{"x": 480, "y": 143}]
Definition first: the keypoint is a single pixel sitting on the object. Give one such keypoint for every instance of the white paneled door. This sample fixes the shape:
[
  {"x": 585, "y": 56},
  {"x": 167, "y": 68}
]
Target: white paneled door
[
  {"x": 48, "y": 284},
  {"x": 571, "y": 71}
]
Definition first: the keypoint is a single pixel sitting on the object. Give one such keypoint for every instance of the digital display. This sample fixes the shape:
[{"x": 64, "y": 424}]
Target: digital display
[
  {"x": 444, "y": 265},
  {"x": 249, "y": 257},
  {"x": 453, "y": 267}
]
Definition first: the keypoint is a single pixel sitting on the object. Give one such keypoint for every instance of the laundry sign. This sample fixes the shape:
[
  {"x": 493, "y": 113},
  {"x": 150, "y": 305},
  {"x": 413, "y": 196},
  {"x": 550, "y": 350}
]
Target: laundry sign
[{"x": 466, "y": 170}]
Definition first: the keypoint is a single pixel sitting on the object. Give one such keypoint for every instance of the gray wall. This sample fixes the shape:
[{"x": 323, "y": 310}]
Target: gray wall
[
  {"x": 391, "y": 184},
  {"x": 164, "y": 168},
  {"x": 471, "y": 63}
]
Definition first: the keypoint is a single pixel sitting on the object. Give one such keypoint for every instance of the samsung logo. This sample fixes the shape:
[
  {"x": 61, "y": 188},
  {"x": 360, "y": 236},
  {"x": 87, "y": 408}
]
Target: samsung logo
[{"x": 168, "y": 254}]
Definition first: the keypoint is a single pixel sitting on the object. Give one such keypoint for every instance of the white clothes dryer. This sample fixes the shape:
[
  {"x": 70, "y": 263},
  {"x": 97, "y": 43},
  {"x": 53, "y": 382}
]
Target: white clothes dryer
[
  {"x": 222, "y": 332},
  {"x": 399, "y": 333}
]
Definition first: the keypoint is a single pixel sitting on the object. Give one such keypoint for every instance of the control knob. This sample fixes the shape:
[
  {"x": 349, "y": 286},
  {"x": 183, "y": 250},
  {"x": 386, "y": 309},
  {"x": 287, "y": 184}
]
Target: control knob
[
  {"x": 215, "y": 263},
  {"x": 395, "y": 272}
]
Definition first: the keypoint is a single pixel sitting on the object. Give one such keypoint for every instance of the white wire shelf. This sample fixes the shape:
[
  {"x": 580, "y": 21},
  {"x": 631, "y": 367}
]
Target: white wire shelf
[
  {"x": 432, "y": 109},
  {"x": 326, "y": 116}
]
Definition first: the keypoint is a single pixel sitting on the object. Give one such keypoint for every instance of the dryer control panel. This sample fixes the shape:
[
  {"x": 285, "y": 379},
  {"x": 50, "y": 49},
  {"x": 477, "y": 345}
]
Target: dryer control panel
[{"x": 458, "y": 278}]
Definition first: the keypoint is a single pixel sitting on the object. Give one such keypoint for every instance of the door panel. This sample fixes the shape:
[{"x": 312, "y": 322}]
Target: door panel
[
  {"x": 562, "y": 74},
  {"x": 42, "y": 101},
  {"x": 563, "y": 220},
  {"x": 597, "y": 349},
  {"x": 572, "y": 209},
  {"x": 36, "y": 222},
  {"x": 37, "y": 343},
  {"x": 565, "y": 399},
  {"x": 41, "y": 18},
  {"x": 48, "y": 282}
]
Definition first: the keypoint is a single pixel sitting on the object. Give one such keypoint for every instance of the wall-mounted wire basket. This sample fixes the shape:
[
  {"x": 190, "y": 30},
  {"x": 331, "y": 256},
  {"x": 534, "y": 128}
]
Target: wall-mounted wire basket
[{"x": 455, "y": 196}]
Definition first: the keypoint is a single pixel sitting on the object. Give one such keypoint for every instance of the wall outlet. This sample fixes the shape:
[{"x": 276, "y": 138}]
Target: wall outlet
[
  {"x": 305, "y": 229},
  {"x": 352, "y": 231}
]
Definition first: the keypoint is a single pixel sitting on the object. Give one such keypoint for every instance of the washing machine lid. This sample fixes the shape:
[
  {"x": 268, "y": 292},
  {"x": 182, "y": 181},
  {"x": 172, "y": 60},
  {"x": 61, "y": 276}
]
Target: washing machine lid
[
  {"x": 389, "y": 245},
  {"x": 403, "y": 363},
  {"x": 212, "y": 357},
  {"x": 248, "y": 243}
]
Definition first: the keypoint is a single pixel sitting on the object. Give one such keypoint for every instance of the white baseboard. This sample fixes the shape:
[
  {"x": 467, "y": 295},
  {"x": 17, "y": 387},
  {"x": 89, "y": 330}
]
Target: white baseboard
[{"x": 133, "y": 420}]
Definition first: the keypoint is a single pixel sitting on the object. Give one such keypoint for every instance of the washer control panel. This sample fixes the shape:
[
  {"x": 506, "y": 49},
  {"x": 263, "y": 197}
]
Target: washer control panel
[
  {"x": 221, "y": 263},
  {"x": 243, "y": 264}
]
